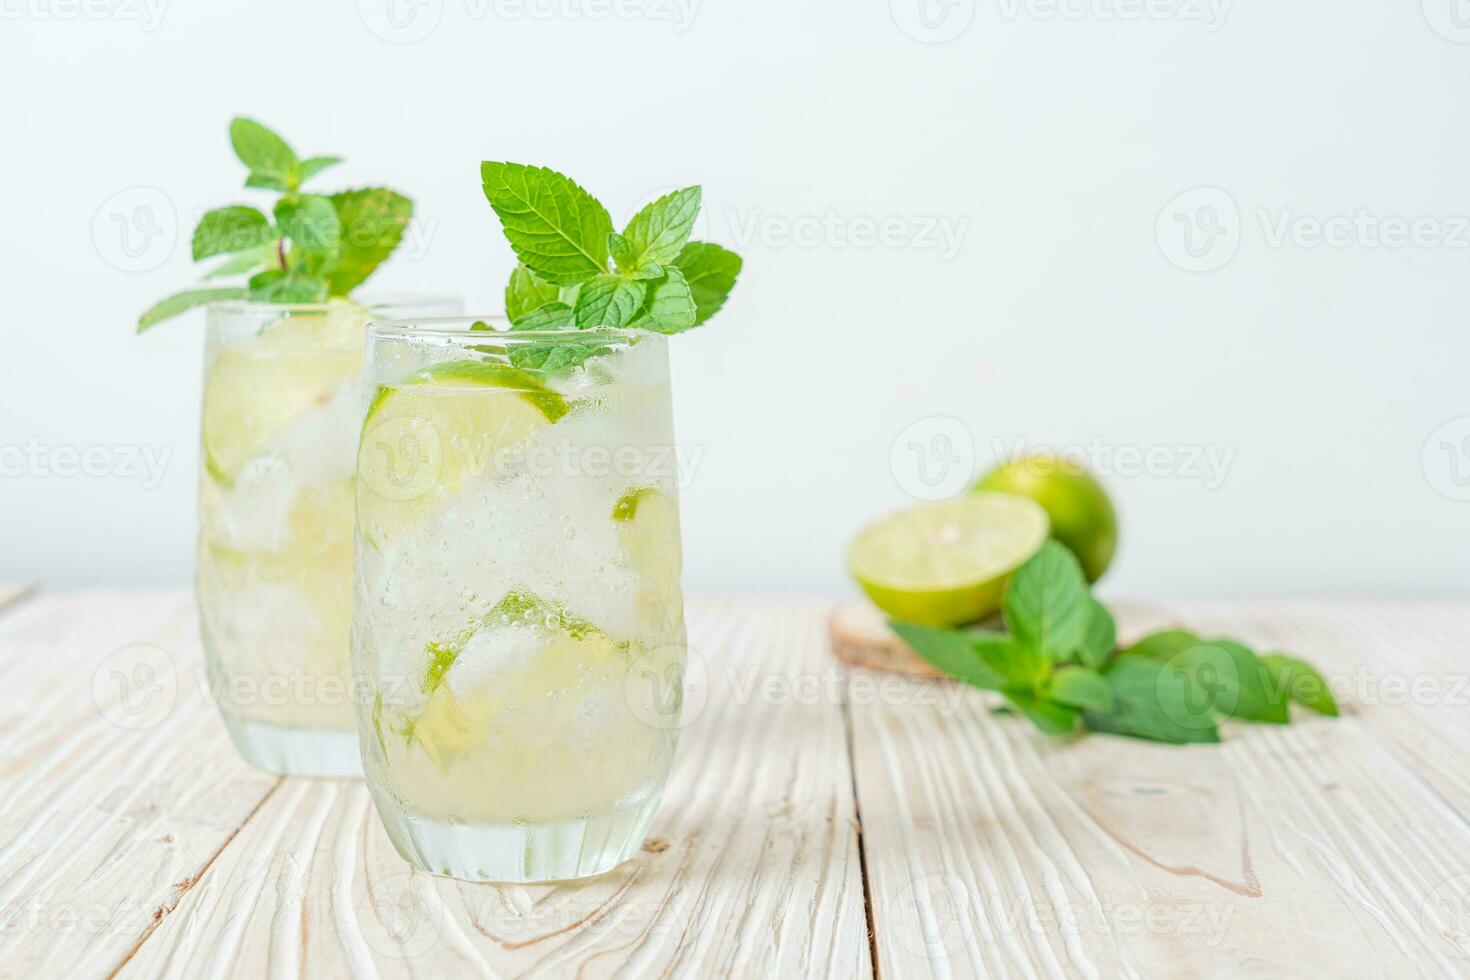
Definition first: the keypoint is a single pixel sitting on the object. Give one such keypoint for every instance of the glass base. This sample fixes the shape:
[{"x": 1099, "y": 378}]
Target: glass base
[
  {"x": 519, "y": 853},
  {"x": 316, "y": 752}
]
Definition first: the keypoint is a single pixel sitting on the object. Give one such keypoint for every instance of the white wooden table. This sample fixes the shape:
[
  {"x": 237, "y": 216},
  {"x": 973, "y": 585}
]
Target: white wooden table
[{"x": 820, "y": 822}]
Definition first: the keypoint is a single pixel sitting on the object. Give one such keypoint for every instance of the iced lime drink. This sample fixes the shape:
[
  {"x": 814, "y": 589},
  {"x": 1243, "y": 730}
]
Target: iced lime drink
[
  {"x": 281, "y": 418},
  {"x": 518, "y": 622}
]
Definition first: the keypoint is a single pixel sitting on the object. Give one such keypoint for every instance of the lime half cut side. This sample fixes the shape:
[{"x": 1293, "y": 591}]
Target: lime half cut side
[{"x": 945, "y": 564}]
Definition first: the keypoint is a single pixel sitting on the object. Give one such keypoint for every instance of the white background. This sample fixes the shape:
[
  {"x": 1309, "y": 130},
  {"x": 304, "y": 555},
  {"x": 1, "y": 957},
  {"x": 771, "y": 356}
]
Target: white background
[{"x": 1052, "y": 141}]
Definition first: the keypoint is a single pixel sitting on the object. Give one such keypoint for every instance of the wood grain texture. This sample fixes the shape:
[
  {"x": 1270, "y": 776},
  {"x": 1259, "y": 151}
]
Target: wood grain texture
[
  {"x": 752, "y": 866},
  {"x": 118, "y": 785},
  {"x": 1316, "y": 850}
]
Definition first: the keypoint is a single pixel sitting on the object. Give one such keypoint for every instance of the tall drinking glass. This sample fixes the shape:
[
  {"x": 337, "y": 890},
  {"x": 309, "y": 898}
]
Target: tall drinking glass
[
  {"x": 282, "y": 407},
  {"x": 518, "y": 623}
]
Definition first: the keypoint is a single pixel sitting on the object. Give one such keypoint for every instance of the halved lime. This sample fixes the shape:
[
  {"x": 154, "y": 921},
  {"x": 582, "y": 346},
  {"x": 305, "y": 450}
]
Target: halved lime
[
  {"x": 946, "y": 563},
  {"x": 1082, "y": 516},
  {"x": 424, "y": 437}
]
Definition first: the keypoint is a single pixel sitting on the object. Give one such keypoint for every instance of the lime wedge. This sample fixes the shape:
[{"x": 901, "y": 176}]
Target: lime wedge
[
  {"x": 254, "y": 391},
  {"x": 423, "y": 438},
  {"x": 946, "y": 563},
  {"x": 648, "y": 530}
]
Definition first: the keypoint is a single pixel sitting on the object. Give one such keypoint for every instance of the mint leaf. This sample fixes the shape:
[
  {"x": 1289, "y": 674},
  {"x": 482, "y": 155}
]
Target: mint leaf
[
  {"x": 711, "y": 272},
  {"x": 1164, "y": 644},
  {"x": 668, "y": 305},
  {"x": 658, "y": 233},
  {"x": 557, "y": 358},
  {"x": 552, "y": 316},
  {"x": 1081, "y": 687},
  {"x": 1229, "y": 677},
  {"x": 373, "y": 220},
  {"x": 273, "y": 164},
  {"x": 1099, "y": 636},
  {"x": 950, "y": 652},
  {"x": 1150, "y": 704},
  {"x": 311, "y": 222},
  {"x": 249, "y": 260},
  {"x": 1301, "y": 682},
  {"x": 556, "y": 228},
  {"x": 1024, "y": 668},
  {"x": 607, "y": 301},
  {"x": 181, "y": 302},
  {"x": 230, "y": 229},
  {"x": 1046, "y": 603},
  {"x": 1052, "y": 717},
  {"x": 312, "y": 166},
  {"x": 287, "y": 287},
  {"x": 627, "y": 262},
  {"x": 527, "y": 292}
]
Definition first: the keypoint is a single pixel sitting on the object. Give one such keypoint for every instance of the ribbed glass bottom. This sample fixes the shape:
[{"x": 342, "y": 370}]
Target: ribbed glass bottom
[
  {"x": 520, "y": 852},
  {"x": 315, "y": 752}
]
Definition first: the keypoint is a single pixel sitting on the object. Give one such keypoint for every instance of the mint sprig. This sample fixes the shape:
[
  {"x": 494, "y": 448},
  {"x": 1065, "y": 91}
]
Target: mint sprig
[
  {"x": 311, "y": 247},
  {"x": 575, "y": 272},
  {"x": 1059, "y": 665}
]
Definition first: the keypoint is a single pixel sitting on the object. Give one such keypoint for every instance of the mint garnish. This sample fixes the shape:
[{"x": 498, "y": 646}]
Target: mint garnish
[
  {"x": 575, "y": 272},
  {"x": 1058, "y": 664},
  {"x": 311, "y": 248}
]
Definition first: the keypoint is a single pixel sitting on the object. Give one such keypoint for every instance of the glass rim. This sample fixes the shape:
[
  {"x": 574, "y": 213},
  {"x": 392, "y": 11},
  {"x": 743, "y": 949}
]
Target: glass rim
[
  {"x": 386, "y": 304},
  {"x": 460, "y": 327}
]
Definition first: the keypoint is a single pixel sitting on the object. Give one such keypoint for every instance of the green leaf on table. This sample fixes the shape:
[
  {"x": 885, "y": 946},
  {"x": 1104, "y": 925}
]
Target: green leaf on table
[
  {"x": 608, "y": 301},
  {"x": 659, "y": 232},
  {"x": 182, "y": 302},
  {"x": 1024, "y": 668},
  {"x": 668, "y": 305},
  {"x": 1164, "y": 644},
  {"x": 556, "y": 228},
  {"x": 1232, "y": 681},
  {"x": 1099, "y": 636},
  {"x": 311, "y": 222},
  {"x": 552, "y": 316},
  {"x": 1046, "y": 603},
  {"x": 526, "y": 292},
  {"x": 1052, "y": 717},
  {"x": 950, "y": 652},
  {"x": 273, "y": 164},
  {"x": 710, "y": 272},
  {"x": 250, "y": 260},
  {"x": 1152, "y": 703},
  {"x": 1301, "y": 682},
  {"x": 373, "y": 221},
  {"x": 276, "y": 286},
  {"x": 1081, "y": 687},
  {"x": 230, "y": 229}
]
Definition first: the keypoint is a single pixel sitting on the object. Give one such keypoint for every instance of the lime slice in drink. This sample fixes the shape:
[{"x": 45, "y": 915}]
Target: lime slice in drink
[
  {"x": 946, "y": 563},
  {"x": 648, "y": 530},
  {"x": 255, "y": 390},
  {"x": 424, "y": 437}
]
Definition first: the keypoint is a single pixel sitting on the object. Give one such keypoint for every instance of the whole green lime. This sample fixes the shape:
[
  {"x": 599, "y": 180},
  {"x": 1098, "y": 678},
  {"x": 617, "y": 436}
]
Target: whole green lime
[{"x": 1082, "y": 515}]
